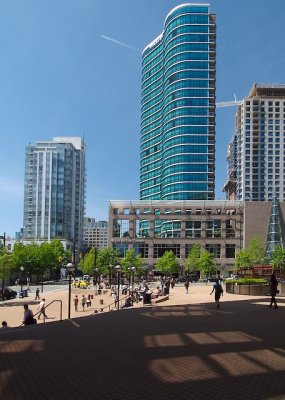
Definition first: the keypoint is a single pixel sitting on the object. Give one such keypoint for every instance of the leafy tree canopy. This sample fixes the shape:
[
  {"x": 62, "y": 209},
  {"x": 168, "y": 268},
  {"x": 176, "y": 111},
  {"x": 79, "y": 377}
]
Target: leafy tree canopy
[
  {"x": 278, "y": 258},
  {"x": 100, "y": 259},
  {"x": 168, "y": 263},
  {"x": 254, "y": 254},
  {"x": 207, "y": 264},
  {"x": 132, "y": 259},
  {"x": 192, "y": 261}
]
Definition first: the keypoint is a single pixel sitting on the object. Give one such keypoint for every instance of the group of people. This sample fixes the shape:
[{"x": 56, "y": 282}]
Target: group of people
[
  {"x": 84, "y": 301},
  {"x": 137, "y": 295}
]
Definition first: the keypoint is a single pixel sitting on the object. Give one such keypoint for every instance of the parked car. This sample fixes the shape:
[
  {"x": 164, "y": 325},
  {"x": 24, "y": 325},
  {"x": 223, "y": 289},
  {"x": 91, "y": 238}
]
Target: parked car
[
  {"x": 193, "y": 278},
  {"x": 212, "y": 279},
  {"x": 189, "y": 277},
  {"x": 81, "y": 284},
  {"x": 7, "y": 294}
]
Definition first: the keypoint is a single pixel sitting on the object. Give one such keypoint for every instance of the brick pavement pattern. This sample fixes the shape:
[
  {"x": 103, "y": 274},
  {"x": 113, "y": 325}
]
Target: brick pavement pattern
[{"x": 175, "y": 351}]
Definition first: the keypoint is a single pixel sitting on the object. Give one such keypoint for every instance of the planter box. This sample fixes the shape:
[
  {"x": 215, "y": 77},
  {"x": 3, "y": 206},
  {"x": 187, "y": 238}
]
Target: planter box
[{"x": 250, "y": 290}]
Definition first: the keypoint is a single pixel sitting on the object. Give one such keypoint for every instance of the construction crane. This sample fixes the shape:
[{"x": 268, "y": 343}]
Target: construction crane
[{"x": 232, "y": 103}]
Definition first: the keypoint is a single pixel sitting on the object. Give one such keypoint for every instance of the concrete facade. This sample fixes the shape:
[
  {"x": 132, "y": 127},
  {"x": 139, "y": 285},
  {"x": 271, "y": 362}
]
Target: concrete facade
[
  {"x": 153, "y": 227},
  {"x": 256, "y": 220}
]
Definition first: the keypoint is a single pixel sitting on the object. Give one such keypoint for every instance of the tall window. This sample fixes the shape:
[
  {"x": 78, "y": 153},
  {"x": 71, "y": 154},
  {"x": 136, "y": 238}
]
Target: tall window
[
  {"x": 142, "y": 229},
  {"x": 160, "y": 249},
  {"x": 193, "y": 229},
  {"x": 213, "y": 228},
  {"x": 230, "y": 250},
  {"x": 120, "y": 228},
  {"x": 121, "y": 248},
  {"x": 142, "y": 249},
  {"x": 214, "y": 249},
  {"x": 230, "y": 228}
]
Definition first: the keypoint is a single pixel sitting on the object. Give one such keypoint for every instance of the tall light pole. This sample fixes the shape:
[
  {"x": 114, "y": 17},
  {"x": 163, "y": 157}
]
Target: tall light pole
[
  {"x": 21, "y": 277},
  {"x": 133, "y": 270},
  {"x": 4, "y": 245},
  {"x": 96, "y": 275},
  {"x": 118, "y": 269},
  {"x": 110, "y": 270},
  {"x": 129, "y": 270},
  {"x": 70, "y": 269},
  {"x": 95, "y": 267}
]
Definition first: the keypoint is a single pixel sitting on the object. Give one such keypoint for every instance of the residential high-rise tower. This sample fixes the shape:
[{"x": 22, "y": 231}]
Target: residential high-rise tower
[
  {"x": 257, "y": 164},
  {"x": 54, "y": 194},
  {"x": 178, "y": 108}
]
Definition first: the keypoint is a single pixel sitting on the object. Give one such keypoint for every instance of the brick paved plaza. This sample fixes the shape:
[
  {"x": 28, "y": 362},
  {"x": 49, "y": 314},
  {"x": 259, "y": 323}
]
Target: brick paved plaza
[{"x": 180, "y": 349}]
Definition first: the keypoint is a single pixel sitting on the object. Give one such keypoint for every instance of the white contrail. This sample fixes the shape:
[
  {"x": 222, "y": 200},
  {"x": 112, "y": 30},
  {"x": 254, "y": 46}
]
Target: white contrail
[{"x": 118, "y": 42}]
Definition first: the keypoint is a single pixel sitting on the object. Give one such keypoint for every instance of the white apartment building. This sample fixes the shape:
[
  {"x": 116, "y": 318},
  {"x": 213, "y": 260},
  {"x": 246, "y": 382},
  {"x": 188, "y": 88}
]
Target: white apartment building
[
  {"x": 95, "y": 234},
  {"x": 256, "y": 153}
]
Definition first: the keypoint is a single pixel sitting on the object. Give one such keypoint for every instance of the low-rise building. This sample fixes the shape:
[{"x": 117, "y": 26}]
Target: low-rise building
[
  {"x": 221, "y": 227},
  {"x": 153, "y": 227}
]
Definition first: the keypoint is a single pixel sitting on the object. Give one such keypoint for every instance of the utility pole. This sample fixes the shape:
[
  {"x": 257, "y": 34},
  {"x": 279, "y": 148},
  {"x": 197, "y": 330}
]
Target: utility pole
[{"x": 4, "y": 245}]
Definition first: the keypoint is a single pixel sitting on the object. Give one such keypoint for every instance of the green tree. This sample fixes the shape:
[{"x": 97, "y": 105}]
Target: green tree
[
  {"x": 207, "y": 264},
  {"x": 132, "y": 259},
  {"x": 192, "y": 261},
  {"x": 278, "y": 258},
  {"x": 168, "y": 264},
  {"x": 88, "y": 264},
  {"x": 5, "y": 265},
  {"x": 243, "y": 260},
  {"x": 253, "y": 254},
  {"x": 257, "y": 251},
  {"x": 107, "y": 258},
  {"x": 39, "y": 259}
]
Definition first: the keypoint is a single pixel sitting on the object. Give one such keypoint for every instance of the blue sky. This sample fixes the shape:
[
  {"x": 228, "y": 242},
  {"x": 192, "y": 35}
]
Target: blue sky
[{"x": 60, "y": 75}]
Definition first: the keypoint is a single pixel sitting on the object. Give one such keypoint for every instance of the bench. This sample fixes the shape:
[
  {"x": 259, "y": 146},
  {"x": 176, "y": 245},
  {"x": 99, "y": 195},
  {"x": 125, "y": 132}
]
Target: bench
[{"x": 160, "y": 299}]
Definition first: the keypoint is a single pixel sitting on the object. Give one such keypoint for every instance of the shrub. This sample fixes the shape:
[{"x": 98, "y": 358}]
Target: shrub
[{"x": 248, "y": 281}]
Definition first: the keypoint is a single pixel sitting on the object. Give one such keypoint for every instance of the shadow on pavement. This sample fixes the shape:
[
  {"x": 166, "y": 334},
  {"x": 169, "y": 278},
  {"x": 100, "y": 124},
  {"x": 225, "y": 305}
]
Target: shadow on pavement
[{"x": 167, "y": 352}]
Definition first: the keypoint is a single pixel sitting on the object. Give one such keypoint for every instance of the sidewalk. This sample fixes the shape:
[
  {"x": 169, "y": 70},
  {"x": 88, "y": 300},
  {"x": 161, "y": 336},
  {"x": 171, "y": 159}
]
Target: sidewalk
[
  {"x": 12, "y": 310},
  {"x": 181, "y": 351}
]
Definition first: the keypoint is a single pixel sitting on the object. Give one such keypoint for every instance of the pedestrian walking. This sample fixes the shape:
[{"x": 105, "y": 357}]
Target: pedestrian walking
[
  {"x": 37, "y": 294},
  {"x": 186, "y": 284},
  {"x": 42, "y": 309},
  {"x": 217, "y": 288},
  {"x": 76, "y": 301},
  {"x": 115, "y": 299},
  {"x": 83, "y": 302},
  {"x": 88, "y": 301},
  {"x": 273, "y": 283}
]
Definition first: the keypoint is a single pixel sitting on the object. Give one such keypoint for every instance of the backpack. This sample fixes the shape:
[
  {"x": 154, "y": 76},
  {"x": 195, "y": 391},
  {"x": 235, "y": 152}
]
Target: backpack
[{"x": 219, "y": 288}]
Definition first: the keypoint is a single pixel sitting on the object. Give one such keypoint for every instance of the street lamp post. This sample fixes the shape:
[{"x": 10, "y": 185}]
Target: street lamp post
[
  {"x": 118, "y": 269},
  {"x": 96, "y": 275},
  {"x": 21, "y": 278},
  {"x": 70, "y": 269},
  {"x": 129, "y": 270},
  {"x": 133, "y": 270},
  {"x": 4, "y": 245},
  {"x": 110, "y": 270}
]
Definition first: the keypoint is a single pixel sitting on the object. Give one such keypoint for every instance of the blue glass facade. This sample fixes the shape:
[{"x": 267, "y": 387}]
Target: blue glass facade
[{"x": 178, "y": 108}]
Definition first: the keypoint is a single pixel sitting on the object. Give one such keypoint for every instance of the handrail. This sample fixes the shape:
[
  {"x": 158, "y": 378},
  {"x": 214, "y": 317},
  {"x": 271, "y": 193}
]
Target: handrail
[
  {"x": 60, "y": 301},
  {"x": 109, "y": 306}
]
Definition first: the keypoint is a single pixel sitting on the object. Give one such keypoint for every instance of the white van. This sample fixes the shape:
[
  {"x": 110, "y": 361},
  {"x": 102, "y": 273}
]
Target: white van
[{"x": 86, "y": 278}]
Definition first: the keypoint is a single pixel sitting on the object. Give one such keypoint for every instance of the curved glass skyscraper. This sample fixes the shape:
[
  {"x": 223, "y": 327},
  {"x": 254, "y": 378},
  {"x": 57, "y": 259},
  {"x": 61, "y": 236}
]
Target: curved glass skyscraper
[{"x": 178, "y": 108}]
